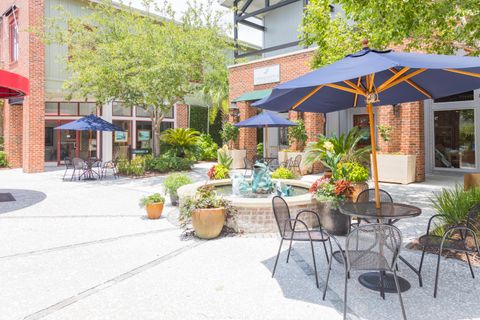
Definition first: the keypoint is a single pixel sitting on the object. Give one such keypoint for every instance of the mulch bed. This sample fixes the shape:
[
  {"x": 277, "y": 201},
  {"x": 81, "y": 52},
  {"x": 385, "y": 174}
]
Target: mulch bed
[
  {"x": 147, "y": 174},
  {"x": 474, "y": 258}
]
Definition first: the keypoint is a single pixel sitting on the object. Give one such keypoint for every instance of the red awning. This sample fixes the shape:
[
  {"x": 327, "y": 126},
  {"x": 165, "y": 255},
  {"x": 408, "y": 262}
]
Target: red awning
[{"x": 12, "y": 85}]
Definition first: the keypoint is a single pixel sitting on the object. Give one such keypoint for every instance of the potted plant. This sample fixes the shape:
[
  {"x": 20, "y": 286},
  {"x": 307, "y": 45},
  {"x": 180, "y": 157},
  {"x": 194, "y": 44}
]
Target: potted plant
[
  {"x": 283, "y": 173},
  {"x": 206, "y": 211},
  {"x": 154, "y": 205},
  {"x": 356, "y": 174},
  {"x": 172, "y": 183},
  {"x": 329, "y": 194}
]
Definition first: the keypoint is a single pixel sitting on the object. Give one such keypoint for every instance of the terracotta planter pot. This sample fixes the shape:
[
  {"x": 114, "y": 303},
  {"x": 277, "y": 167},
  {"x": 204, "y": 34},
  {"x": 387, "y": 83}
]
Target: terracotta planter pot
[
  {"x": 333, "y": 220},
  {"x": 208, "y": 223},
  {"x": 357, "y": 188},
  {"x": 154, "y": 210}
]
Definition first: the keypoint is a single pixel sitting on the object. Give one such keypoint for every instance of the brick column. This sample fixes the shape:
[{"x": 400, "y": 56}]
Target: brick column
[
  {"x": 294, "y": 115},
  {"x": 181, "y": 115},
  {"x": 314, "y": 125},
  {"x": 413, "y": 136},
  {"x": 13, "y": 132},
  {"x": 248, "y": 136},
  {"x": 34, "y": 103}
]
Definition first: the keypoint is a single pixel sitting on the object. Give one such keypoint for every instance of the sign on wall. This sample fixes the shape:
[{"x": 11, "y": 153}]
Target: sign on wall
[{"x": 267, "y": 74}]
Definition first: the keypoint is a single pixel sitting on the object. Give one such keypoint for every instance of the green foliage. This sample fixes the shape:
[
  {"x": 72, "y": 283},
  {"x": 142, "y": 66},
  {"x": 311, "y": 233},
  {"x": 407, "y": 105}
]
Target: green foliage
[
  {"x": 183, "y": 142},
  {"x": 2, "y": 139},
  {"x": 154, "y": 198},
  {"x": 218, "y": 172},
  {"x": 283, "y": 173},
  {"x": 260, "y": 149},
  {"x": 230, "y": 132},
  {"x": 384, "y": 131},
  {"x": 454, "y": 204},
  {"x": 298, "y": 133},
  {"x": 224, "y": 159},
  {"x": 432, "y": 26},
  {"x": 132, "y": 57},
  {"x": 199, "y": 118},
  {"x": 168, "y": 162},
  {"x": 352, "y": 171},
  {"x": 175, "y": 180},
  {"x": 333, "y": 150},
  {"x": 208, "y": 147},
  {"x": 3, "y": 159},
  {"x": 134, "y": 167}
]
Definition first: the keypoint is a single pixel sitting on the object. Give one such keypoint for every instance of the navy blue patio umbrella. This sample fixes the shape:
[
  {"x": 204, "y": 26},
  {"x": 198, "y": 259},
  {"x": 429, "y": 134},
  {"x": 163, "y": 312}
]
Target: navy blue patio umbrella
[
  {"x": 90, "y": 123},
  {"x": 371, "y": 78},
  {"x": 265, "y": 120}
]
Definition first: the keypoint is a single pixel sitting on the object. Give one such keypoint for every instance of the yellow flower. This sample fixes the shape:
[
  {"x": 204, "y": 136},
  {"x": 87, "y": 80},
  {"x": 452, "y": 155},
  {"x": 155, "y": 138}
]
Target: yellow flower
[{"x": 328, "y": 145}]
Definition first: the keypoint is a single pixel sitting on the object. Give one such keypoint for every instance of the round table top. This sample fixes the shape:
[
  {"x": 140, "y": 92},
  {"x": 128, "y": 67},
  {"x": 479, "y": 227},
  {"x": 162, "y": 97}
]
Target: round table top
[{"x": 387, "y": 210}]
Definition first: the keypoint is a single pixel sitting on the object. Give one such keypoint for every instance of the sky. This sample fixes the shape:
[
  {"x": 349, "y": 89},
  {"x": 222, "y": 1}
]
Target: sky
[{"x": 245, "y": 33}]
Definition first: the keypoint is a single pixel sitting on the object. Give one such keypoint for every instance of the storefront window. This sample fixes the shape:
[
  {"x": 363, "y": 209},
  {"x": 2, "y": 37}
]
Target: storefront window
[
  {"x": 51, "y": 141},
  {"x": 51, "y": 108},
  {"x": 87, "y": 108},
  {"x": 362, "y": 121},
  {"x": 68, "y": 108},
  {"x": 141, "y": 112},
  {"x": 122, "y": 140},
  {"x": 144, "y": 135},
  {"x": 454, "y": 132},
  {"x": 120, "y": 110},
  {"x": 170, "y": 113}
]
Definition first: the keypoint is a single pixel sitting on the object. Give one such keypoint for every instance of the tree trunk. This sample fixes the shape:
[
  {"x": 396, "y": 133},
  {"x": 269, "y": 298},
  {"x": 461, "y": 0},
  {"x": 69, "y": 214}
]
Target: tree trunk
[{"x": 157, "y": 121}]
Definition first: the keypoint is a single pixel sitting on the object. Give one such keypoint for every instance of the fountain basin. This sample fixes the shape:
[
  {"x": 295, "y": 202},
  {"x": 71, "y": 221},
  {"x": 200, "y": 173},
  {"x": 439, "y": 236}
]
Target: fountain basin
[{"x": 255, "y": 215}]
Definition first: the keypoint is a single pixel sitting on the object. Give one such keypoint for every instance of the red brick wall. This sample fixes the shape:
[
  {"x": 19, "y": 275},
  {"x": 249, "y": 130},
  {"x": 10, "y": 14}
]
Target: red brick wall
[
  {"x": 247, "y": 138},
  {"x": 28, "y": 151},
  {"x": 181, "y": 113}
]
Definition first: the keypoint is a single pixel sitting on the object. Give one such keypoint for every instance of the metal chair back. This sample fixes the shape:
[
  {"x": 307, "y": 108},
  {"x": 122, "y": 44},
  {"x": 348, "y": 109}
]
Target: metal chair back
[
  {"x": 373, "y": 247},
  {"x": 297, "y": 161},
  {"x": 473, "y": 216},
  {"x": 68, "y": 162},
  {"x": 282, "y": 215},
  {"x": 369, "y": 195},
  {"x": 78, "y": 163}
]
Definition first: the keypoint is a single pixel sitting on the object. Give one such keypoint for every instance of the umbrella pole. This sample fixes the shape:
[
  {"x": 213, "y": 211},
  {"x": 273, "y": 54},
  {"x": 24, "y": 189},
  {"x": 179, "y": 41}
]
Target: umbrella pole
[
  {"x": 374, "y": 153},
  {"x": 90, "y": 144},
  {"x": 266, "y": 141}
]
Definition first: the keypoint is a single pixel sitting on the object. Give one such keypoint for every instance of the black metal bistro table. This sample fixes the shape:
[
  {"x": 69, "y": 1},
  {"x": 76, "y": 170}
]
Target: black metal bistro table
[
  {"x": 388, "y": 213},
  {"x": 89, "y": 173}
]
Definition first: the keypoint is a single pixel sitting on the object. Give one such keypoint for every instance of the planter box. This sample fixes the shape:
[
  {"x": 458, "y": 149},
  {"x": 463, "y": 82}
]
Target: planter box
[
  {"x": 396, "y": 168},
  {"x": 471, "y": 180},
  {"x": 285, "y": 155},
  {"x": 237, "y": 156}
]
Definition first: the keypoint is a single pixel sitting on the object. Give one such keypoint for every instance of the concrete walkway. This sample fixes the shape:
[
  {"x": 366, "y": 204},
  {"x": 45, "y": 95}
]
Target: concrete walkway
[{"x": 83, "y": 250}]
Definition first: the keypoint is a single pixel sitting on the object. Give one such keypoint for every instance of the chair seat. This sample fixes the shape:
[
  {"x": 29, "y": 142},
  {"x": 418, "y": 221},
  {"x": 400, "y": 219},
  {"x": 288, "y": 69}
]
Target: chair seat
[
  {"x": 433, "y": 241},
  {"x": 367, "y": 260},
  {"x": 303, "y": 235}
]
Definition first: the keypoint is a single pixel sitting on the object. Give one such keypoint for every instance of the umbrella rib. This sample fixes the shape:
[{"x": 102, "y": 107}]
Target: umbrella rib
[
  {"x": 396, "y": 74},
  {"x": 353, "y": 85},
  {"x": 339, "y": 87},
  {"x": 355, "y": 100},
  {"x": 466, "y": 73},
  {"x": 311, "y": 93},
  {"x": 411, "y": 83}
]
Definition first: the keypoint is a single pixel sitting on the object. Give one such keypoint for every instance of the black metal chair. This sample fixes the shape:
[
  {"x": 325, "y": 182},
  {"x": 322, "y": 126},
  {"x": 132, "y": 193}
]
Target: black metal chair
[
  {"x": 109, "y": 165},
  {"x": 369, "y": 195},
  {"x": 295, "y": 164},
  {"x": 78, "y": 165},
  {"x": 371, "y": 247},
  {"x": 95, "y": 166},
  {"x": 453, "y": 239},
  {"x": 68, "y": 165},
  {"x": 290, "y": 233}
]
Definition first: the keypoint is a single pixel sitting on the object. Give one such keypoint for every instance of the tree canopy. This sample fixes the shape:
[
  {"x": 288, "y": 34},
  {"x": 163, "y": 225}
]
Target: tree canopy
[
  {"x": 141, "y": 59},
  {"x": 434, "y": 26}
]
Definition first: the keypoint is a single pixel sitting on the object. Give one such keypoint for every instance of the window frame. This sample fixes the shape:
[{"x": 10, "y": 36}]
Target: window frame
[{"x": 13, "y": 38}]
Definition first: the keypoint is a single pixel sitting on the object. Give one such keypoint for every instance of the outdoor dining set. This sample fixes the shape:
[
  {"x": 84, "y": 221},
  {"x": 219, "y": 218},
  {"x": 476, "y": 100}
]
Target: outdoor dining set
[
  {"x": 89, "y": 169},
  {"x": 374, "y": 243}
]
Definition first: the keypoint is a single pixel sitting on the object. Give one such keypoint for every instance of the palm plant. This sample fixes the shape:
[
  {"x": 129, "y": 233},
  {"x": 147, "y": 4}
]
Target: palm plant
[
  {"x": 183, "y": 142},
  {"x": 344, "y": 147}
]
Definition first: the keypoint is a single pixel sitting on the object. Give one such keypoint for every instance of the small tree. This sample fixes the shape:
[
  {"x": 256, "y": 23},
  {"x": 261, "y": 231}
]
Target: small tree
[
  {"x": 298, "y": 134},
  {"x": 230, "y": 133},
  {"x": 141, "y": 59}
]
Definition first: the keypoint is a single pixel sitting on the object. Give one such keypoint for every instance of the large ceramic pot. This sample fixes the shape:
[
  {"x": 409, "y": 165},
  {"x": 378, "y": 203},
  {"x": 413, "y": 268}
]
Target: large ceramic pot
[
  {"x": 332, "y": 220},
  {"x": 357, "y": 188},
  {"x": 154, "y": 210},
  {"x": 173, "y": 198},
  {"x": 208, "y": 223}
]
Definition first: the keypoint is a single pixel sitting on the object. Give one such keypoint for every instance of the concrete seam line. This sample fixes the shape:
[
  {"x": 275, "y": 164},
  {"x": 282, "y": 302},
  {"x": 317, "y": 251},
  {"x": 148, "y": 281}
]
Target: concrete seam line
[
  {"x": 334, "y": 298},
  {"x": 71, "y": 217},
  {"x": 83, "y": 244},
  {"x": 122, "y": 277}
]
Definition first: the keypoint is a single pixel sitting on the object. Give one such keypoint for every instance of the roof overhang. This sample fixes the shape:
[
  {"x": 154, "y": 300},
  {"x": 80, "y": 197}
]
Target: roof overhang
[{"x": 253, "y": 95}]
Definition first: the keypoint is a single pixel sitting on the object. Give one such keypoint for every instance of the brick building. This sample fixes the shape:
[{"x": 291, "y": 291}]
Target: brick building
[
  {"x": 30, "y": 139},
  {"x": 439, "y": 133}
]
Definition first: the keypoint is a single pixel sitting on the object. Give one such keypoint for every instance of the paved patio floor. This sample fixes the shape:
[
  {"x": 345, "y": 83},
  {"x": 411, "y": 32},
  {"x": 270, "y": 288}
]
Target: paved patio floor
[{"x": 83, "y": 250}]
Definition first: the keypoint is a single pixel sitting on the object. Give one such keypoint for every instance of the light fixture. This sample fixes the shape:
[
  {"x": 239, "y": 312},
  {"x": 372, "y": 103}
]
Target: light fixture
[{"x": 396, "y": 109}]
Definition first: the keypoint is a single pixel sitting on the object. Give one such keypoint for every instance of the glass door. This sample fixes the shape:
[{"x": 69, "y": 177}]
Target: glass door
[
  {"x": 87, "y": 144},
  {"x": 68, "y": 145}
]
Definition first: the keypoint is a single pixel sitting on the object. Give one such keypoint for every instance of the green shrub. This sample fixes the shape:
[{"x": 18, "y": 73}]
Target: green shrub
[
  {"x": 260, "y": 150},
  {"x": 208, "y": 148},
  {"x": 3, "y": 159},
  {"x": 454, "y": 204},
  {"x": 183, "y": 142},
  {"x": 168, "y": 162},
  {"x": 224, "y": 159},
  {"x": 154, "y": 198},
  {"x": 175, "y": 181},
  {"x": 352, "y": 171},
  {"x": 134, "y": 167},
  {"x": 230, "y": 132},
  {"x": 218, "y": 172},
  {"x": 298, "y": 133},
  {"x": 283, "y": 173}
]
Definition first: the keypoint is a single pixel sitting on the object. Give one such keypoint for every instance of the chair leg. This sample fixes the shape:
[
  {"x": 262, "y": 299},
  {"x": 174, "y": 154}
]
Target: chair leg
[
  {"x": 276, "y": 259},
  {"x": 421, "y": 261},
  {"x": 328, "y": 276},
  {"x": 470, "y": 265},
  {"x": 345, "y": 298},
  {"x": 73, "y": 175},
  {"x": 326, "y": 253},
  {"x": 382, "y": 285},
  {"x": 314, "y": 263},
  {"x": 399, "y": 294},
  {"x": 64, "y": 174},
  {"x": 436, "y": 274},
  {"x": 289, "y": 248}
]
